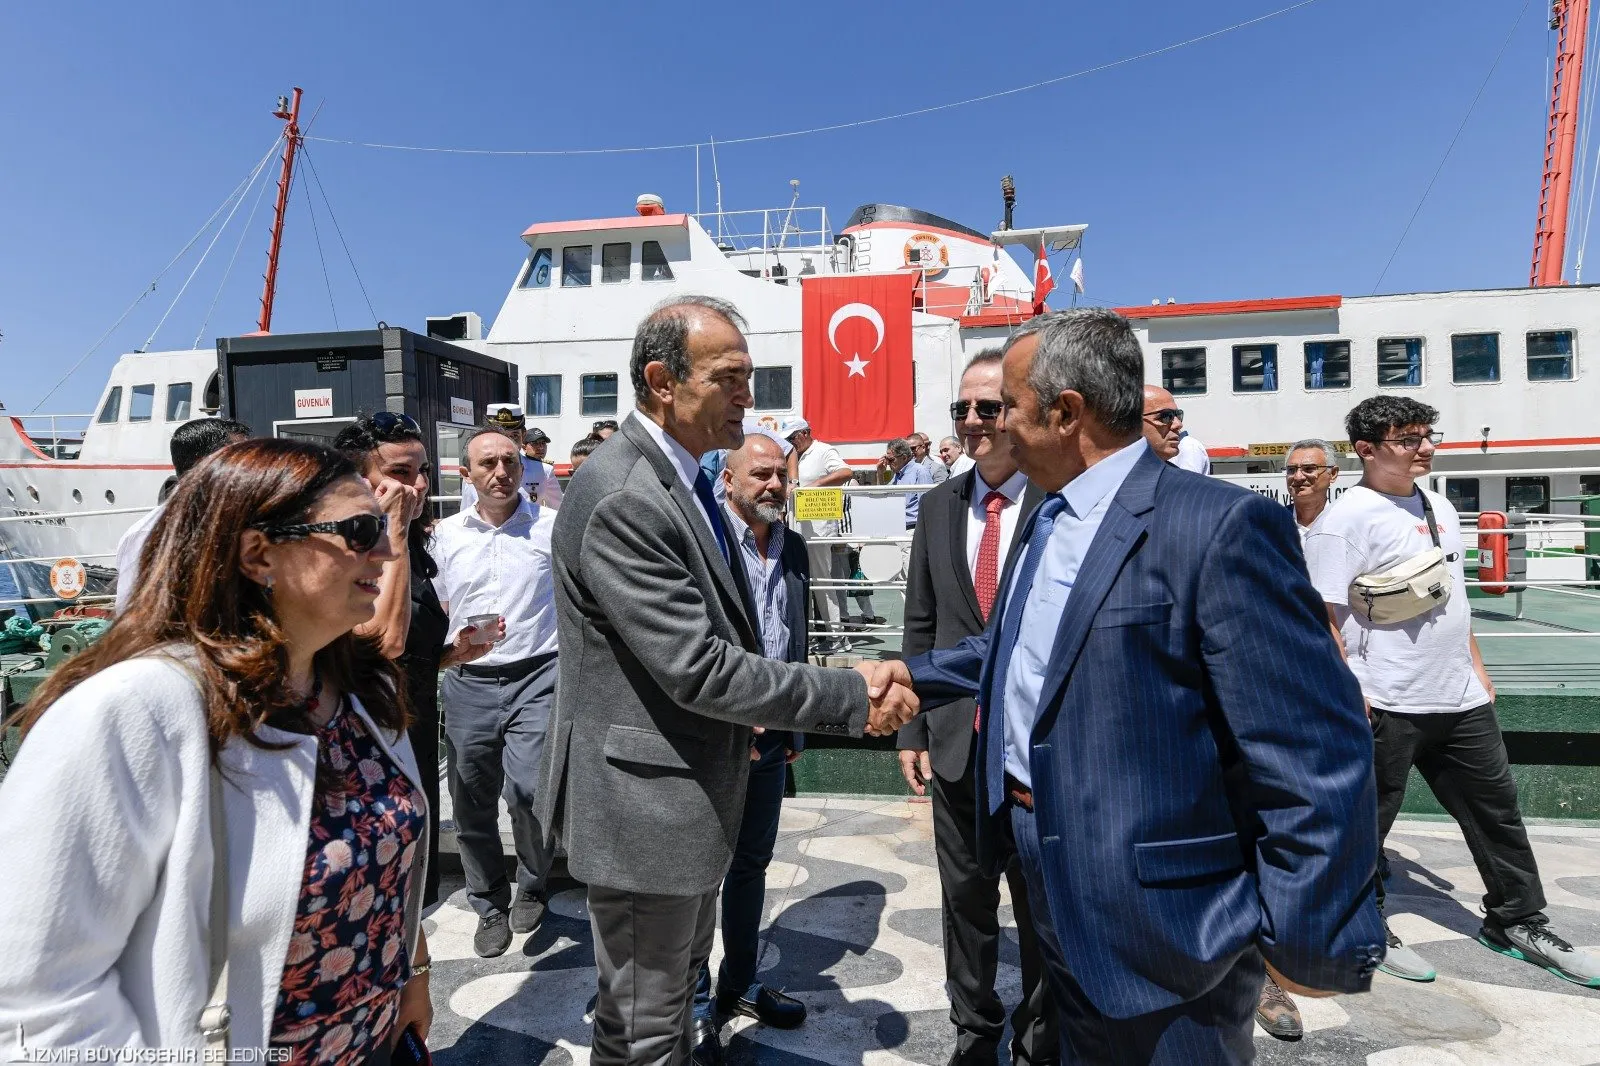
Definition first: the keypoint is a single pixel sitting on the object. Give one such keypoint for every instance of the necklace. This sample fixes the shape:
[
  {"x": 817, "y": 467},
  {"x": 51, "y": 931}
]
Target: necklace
[{"x": 315, "y": 699}]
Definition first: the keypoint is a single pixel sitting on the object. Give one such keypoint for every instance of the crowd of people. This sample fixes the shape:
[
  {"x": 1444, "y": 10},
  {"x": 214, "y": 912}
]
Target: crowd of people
[{"x": 1176, "y": 718}]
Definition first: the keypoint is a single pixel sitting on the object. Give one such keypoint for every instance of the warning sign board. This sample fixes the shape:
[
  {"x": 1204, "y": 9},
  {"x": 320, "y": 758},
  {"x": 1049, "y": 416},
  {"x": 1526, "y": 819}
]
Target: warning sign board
[
  {"x": 818, "y": 505},
  {"x": 68, "y": 578}
]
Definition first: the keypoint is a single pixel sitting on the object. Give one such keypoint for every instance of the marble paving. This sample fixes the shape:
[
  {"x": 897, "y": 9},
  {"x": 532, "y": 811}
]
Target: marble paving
[{"x": 853, "y": 930}]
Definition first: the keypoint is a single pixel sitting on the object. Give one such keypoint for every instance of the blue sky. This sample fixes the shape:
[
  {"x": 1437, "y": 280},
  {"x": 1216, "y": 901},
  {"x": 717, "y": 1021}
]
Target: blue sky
[{"x": 1282, "y": 159}]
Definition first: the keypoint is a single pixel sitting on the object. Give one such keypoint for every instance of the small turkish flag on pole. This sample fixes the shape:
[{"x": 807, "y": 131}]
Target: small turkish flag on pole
[
  {"x": 1043, "y": 282},
  {"x": 855, "y": 335}
]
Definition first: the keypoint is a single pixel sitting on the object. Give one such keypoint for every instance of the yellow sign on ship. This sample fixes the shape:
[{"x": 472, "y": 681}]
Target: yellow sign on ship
[
  {"x": 818, "y": 505},
  {"x": 1279, "y": 451}
]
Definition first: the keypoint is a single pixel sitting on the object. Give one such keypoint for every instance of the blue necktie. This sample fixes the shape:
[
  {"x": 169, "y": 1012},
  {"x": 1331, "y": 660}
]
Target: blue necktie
[
  {"x": 1016, "y": 602},
  {"x": 708, "y": 500}
]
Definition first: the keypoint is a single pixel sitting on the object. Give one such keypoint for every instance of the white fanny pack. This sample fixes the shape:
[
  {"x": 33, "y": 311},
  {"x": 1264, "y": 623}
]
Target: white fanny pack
[{"x": 1408, "y": 590}]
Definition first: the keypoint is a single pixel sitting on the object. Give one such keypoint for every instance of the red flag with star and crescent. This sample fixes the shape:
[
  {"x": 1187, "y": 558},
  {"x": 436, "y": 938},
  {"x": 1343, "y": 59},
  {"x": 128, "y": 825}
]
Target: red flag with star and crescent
[{"x": 857, "y": 374}]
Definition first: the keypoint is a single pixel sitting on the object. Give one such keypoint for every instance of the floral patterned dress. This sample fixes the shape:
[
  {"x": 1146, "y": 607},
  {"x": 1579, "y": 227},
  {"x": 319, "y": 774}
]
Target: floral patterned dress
[{"x": 347, "y": 959}]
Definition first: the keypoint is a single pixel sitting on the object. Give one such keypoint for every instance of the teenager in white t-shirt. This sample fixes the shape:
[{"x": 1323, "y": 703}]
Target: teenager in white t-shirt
[{"x": 1432, "y": 702}]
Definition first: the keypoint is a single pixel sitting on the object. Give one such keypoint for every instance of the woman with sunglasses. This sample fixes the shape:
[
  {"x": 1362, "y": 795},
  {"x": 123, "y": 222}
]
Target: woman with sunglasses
[
  {"x": 231, "y": 733},
  {"x": 409, "y": 623}
]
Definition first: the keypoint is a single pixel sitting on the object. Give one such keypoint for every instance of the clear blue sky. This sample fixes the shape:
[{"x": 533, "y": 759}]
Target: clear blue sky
[{"x": 1283, "y": 159}]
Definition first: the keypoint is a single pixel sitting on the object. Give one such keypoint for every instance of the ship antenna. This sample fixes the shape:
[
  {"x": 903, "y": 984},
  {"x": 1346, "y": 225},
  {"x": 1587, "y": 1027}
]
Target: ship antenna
[
  {"x": 788, "y": 219},
  {"x": 290, "y": 114}
]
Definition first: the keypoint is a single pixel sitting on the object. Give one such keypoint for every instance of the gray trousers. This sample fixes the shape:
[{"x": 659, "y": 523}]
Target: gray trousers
[
  {"x": 830, "y": 563},
  {"x": 648, "y": 950},
  {"x": 495, "y": 719}
]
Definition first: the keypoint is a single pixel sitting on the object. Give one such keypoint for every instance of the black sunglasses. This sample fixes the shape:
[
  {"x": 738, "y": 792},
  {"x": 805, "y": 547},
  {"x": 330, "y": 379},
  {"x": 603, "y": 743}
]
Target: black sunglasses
[
  {"x": 988, "y": 410},
  {"x": 387, "y": 423},
  {"x": 361, "y": 532},
  {"x": 1166, "y": 416},
  {"x": 607, "y": 423}
]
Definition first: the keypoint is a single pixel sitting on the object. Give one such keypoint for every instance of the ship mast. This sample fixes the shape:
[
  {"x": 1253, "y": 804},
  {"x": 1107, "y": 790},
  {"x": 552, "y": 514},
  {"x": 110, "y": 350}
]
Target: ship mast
[
  {"x": 1571, "y": 19},
  {"x": 290, "y": 113}
]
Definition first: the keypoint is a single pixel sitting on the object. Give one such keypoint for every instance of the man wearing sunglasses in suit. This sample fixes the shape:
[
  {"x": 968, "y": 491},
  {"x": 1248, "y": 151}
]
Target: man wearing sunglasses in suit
[
  {"x": 967, "y": 529},
  {"x": 494, "y": 558}
]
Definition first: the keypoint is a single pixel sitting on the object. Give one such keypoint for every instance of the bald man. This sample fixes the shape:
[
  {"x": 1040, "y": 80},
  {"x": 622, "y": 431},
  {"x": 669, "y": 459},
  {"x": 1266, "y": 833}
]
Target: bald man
[
  {"x": 1163, "y": 429},
  {"x": 772, "y": 570}
]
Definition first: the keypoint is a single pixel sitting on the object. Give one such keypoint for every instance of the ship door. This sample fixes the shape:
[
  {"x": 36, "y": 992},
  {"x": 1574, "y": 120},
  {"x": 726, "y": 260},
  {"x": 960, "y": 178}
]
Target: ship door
[{"x": 315, "y": 430}]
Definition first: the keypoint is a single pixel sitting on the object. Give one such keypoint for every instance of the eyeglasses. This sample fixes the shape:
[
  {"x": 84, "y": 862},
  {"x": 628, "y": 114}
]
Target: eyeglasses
[
  {"x": 1166, "y": 416},
  {"x": 1309, "y": 469},
  {"x": 388, "y": 423},
  {"x": 1411, "y": 442},
  {"x": 988, "y": 410},
  {"x": 361, "y": 532}
]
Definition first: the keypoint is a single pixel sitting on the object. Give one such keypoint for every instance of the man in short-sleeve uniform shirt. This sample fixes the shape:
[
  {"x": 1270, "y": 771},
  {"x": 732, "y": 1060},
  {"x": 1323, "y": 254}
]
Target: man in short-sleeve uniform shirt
[{"x": 1431, "y": 699}]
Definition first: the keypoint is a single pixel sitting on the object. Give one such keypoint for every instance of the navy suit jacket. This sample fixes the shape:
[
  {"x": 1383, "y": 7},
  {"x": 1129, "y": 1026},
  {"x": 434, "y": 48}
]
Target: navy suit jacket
[{"x": 1201, "y": 763}]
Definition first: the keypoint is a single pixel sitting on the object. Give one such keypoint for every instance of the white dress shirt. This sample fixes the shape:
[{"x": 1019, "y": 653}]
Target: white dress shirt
[
  {"x": 688, "y": 466},
  {"x": 129, "y": 548},
  {"x": 978, "y": 517},
  {"x": 1088, "y": 497},
  {"x": 962, "y": 464},
  {"x": 503, "y": 570}
]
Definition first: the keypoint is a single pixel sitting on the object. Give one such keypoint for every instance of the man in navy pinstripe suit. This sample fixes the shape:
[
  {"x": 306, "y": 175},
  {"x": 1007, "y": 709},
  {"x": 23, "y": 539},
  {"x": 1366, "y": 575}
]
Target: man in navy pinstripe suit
[{"x": 1181, "y": 754}]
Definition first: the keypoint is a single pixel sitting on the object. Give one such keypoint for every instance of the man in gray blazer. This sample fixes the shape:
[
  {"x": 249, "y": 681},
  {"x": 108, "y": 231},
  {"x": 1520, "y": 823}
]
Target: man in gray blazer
[{"x": 662, "y": 678}]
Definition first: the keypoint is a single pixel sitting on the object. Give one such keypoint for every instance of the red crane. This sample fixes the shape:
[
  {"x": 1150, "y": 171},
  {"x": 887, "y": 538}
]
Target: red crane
[
  {"x": 290, "y": 113},
  {"x": 1571, "y": 19}
]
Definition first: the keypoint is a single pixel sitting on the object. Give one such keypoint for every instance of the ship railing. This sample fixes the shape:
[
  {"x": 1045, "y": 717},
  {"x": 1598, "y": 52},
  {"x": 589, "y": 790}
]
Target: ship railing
[
  {"x": 768, "y": 228},
  {"x": 61, "y": 440}
]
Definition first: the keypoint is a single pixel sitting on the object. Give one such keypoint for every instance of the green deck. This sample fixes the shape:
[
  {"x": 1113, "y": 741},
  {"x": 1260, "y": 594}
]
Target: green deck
[{"x": 1548, "y": 704}]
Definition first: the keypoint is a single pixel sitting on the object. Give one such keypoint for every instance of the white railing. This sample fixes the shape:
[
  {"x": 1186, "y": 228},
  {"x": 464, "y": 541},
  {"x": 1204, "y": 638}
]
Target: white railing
[
  {"x": 60, "y": 438},
  {"x": 769, "y": 228}
]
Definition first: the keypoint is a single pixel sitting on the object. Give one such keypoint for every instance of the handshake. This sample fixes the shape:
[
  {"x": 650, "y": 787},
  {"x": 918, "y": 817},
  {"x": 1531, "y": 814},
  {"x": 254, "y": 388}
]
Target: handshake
[{"x": 892, "y": 703}]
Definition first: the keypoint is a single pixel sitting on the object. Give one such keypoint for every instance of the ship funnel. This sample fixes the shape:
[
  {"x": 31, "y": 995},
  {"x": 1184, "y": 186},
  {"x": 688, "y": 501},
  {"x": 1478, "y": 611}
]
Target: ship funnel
[{"x": 649, "y": 204}]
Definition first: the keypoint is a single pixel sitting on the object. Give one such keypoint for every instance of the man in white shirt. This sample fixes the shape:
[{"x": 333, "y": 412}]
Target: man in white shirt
[
  {"x": 494, "y": 560},
  {"x": 1163, "y": 429},
  {"x": 191, "y": 442},
  {"x": 1431, "y": 699},
  {"x": 953, "y": 457},
  {"x": 1309, "y": 473},
  {"x": 539, "y": 482},
  {"x": 821, "y": 466}
]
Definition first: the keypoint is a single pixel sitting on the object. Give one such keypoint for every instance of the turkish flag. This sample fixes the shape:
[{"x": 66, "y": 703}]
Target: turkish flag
[
  {"x": 1043, "y": 281},
  {"x": 855, "y": 332}
]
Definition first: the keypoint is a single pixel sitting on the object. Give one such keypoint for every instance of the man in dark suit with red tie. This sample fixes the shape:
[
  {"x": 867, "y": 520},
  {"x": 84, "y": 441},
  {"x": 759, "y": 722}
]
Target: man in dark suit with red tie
[{"x": 967, "y": 527}]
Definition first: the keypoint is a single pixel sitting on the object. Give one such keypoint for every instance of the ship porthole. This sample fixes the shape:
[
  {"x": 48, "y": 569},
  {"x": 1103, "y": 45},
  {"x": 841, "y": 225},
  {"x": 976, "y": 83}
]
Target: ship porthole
[
  {"x": 33, "y": 492},
  {"x": 111, "y": 497},
  {"x": 77, "y": 497}
]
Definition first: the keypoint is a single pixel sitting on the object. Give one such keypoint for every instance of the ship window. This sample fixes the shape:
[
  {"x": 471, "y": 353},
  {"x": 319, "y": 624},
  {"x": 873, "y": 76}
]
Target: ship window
[
  {"x": 1255, "y": 368},
  {"x": 211, "y": 399},
  {"x": 1399, "y": 363},
  {"x": 1589, "y": 484},
  {"x": 614, "y": 260},
  {"x": 1475, "y": 357},
  {"x": 1183, "y": 370},
  {"x": 772, "y": 387},
  {"x": 577, "y": 266},
  {"x": 180, "y": 394},
  {"x": 111, "y": 410},
  {"x": 1327, "y": 364},
  {"x": 141, "y": 403},
  {"x": 538, "y": 275},
  {"x": 1462, "y": 492},
  {"x": 1530, "y": 495},
  {"x": 1550, "y": 355},
  {"x": 543, "y": 394},
  {"x": 654, "y": 262},
  {"x": 598, "y": 395}
]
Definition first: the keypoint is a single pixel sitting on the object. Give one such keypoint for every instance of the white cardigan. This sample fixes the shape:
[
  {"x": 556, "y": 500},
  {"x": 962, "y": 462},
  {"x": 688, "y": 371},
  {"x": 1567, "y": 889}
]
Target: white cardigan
[{"x": 105, "y": 831}]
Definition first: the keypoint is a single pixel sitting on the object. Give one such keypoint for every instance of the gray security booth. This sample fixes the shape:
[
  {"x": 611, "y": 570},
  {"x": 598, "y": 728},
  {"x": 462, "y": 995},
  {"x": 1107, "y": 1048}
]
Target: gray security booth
[{"x": 308, "y": 386}]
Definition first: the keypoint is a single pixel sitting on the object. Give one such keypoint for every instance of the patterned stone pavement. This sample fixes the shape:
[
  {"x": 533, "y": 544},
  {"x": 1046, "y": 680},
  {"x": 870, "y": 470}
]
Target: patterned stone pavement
[{"x": 853, "y": 911}]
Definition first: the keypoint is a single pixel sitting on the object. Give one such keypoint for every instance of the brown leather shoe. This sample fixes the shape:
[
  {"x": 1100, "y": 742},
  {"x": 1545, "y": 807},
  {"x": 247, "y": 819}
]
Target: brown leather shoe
[{"x": 1277, "y": 1013}]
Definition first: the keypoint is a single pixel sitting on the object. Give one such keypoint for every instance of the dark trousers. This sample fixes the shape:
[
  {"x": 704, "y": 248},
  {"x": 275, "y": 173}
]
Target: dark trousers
[
  {"x": 1215, "y": 1029},
  {"x": 424, "y": 734},
  {"x": 970, "y": 901},
  {"x": 495, "y": 719},
  {"x": 1462, "y": 757},
  {"x": 647, "y": 949}
]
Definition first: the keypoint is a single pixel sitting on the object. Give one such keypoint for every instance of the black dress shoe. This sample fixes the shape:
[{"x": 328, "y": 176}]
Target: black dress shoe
[
  {"x": 768, "y": 1007},
  {"x": 706, "y": 1043}
]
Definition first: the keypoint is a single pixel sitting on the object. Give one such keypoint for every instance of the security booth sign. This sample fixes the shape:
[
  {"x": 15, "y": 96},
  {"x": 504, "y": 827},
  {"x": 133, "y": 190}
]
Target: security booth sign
[
  {"x": 818, "y": 505},
  {"x": 313, "y": 403},
  {"x": 68, "y": 579},
  {"x": 461, "y": 412}
]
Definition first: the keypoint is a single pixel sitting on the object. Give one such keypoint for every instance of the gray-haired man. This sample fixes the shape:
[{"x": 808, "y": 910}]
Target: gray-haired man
[{"x": 1310, "y": 471}]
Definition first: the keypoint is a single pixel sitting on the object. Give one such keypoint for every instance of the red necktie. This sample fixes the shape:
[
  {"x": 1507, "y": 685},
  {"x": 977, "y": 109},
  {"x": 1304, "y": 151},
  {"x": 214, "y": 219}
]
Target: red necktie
[{"x": 986, "y": 575}]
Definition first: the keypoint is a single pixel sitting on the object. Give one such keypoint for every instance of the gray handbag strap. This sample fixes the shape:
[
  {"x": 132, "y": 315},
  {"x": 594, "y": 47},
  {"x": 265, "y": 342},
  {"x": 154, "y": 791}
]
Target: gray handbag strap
[{"x": 216, "y": 1019}]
